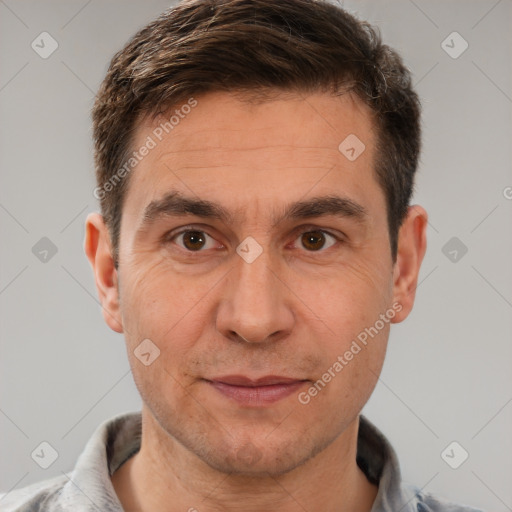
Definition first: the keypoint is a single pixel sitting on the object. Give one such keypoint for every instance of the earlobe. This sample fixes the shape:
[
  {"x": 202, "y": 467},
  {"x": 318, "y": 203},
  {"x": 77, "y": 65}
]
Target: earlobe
[
  {"x": 412, "y": 244},
  {"x": 98, "y": 250}
]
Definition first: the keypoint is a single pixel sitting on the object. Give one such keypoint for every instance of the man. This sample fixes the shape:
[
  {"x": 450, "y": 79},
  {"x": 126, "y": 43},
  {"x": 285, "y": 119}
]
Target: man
[{"x": 255, "y": 162}]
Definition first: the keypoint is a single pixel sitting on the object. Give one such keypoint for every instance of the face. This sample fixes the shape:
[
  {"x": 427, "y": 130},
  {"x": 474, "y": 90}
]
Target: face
[{"x": 277, "y": 274}]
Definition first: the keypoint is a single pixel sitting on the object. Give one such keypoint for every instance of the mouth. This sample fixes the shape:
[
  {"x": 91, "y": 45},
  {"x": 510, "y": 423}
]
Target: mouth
[{"x": 256, "y": 392}]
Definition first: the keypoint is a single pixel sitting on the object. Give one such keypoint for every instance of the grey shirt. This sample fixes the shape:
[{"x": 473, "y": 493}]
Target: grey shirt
[{"x": 89, "y": 488}]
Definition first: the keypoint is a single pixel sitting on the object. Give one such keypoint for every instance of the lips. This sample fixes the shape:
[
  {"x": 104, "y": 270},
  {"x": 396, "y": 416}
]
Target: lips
[
  {"x": 241, "y": 380},
  {"x": 256, "y": 391}
]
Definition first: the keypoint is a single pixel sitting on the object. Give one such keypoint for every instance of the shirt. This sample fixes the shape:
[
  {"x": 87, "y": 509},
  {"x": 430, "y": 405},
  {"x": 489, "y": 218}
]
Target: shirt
[{"x": 90, "y": 489}]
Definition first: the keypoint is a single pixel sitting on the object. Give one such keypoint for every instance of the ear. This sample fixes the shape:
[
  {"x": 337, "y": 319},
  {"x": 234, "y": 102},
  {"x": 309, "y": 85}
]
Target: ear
[
  {"x": 412, "y": 244},
  {"x": 98, "y": 249}
]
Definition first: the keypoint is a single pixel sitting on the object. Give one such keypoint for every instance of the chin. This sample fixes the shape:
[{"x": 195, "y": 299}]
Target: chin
[{"x": 252, "y": 461}]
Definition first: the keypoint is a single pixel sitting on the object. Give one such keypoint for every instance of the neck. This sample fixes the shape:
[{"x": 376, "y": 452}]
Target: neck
[{"x": 164, "y": 475}]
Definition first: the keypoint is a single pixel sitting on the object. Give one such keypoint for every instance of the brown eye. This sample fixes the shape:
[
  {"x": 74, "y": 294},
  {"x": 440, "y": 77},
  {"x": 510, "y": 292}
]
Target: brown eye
[
  {"x": 315, "y": 240},
  {"x": 193, "y": 240}
]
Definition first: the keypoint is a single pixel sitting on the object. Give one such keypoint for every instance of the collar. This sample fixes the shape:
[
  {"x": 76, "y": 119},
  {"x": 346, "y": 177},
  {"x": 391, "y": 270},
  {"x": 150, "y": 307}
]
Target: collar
[{"x": 119, "y": 438}]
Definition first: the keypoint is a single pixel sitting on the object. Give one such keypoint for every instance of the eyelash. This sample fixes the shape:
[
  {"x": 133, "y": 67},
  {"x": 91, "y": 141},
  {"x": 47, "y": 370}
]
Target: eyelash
[{"x": 170, "y": 236}]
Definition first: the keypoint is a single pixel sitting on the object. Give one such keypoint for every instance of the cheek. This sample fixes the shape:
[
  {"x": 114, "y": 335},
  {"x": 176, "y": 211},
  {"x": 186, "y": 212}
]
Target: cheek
[
  {"x": 350, "y": 298},
  {"x": 348, "y": 377},
  {"x": 351, "y": 306},
  {"x": 162, "y": 306}
]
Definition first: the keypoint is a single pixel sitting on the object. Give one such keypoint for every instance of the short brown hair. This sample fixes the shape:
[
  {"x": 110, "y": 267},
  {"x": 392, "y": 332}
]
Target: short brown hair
[{"x": 238, "y": 46}]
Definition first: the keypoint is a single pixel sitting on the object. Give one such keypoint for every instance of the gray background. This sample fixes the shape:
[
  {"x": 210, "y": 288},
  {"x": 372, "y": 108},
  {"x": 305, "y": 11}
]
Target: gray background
[{"x": 448, "y": 372}]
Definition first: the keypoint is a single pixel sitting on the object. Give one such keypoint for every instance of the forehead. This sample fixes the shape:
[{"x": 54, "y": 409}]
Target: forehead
[
  {"x": 235, "y": 121},
  {"x": 223, "y": 144}
]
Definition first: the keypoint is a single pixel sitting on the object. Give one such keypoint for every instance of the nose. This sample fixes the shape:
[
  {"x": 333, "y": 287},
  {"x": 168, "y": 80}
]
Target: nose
[{"x": 256, "y": 302}]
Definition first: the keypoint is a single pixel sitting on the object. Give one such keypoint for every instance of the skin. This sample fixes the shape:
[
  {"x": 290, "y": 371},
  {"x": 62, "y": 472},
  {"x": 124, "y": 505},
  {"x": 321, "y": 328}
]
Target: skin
[{"x": 291, "y": 312}]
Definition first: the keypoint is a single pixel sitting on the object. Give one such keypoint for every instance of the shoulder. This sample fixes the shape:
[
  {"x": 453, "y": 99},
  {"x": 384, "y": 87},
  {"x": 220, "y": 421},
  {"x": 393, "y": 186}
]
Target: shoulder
[
  {"x": 378, "y": 460},
  {"x": 88, "y": 487},
  {"x": 35, "y": 497},
  {"x": 426, "y": 502}
]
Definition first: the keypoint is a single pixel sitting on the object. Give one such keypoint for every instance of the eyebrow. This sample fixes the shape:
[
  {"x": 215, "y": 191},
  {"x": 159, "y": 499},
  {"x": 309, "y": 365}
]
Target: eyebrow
[{"x": 175, "y": 204}]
